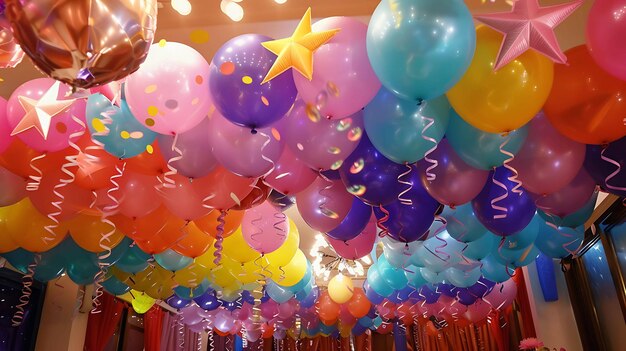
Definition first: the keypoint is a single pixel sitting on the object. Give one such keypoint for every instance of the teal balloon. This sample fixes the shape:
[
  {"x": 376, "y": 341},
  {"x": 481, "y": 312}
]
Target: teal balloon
[
  {"x": 123, "y": 136},
  {"x": 560, "y": 242},
  {"x": 493, "y": 270},
  {"x": 377, "y": 322},
  {"x": 50, "y": 266},
  {"x": 118, "y": 251},
  {"x": 377, "y": 283},
  {"x": 575, "y": 219},
  {"x": 365, "y": 322},
  {"x": 528, "y": 256},
  {"x": 114, "y": 286},
  {"x": 526, "y": 237},
  {"x": 420, "y": 48},
  {"x": 480, "y": 149},
  {"x": 414, "y": 276},
  {"x": 396, "y": 126},
  {"x": 432, "y": 277},
  {"x": 172, "y": 260},
  {"x": 133, "y": 260},
  {"x": 461, "y": 278},
  {"x": 482, "y": 247},
  {"x": 462, "y": 224},
  {"x": 393, "y": 276},
  {"x": 278, "y": 293},
  {"x": 83, "y": 271}
]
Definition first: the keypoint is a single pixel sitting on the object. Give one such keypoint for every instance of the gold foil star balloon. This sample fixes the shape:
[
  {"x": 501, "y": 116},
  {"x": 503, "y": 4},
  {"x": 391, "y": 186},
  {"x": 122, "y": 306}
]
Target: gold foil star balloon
[{"x": 297, "y": 51}]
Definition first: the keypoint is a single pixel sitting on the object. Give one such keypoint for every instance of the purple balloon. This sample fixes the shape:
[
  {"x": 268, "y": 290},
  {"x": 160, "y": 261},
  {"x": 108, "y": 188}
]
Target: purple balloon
[
  {"x": 208, "y": 301},
  {"x": 371, "y": 295},
  {"x": 481, "y": 288},
  {"x": 353, "y": 224},
  {"x": 410, "y": 222},
  {"x": 371, "y": 176},
  {"x": 446, "y": 289},
  {"x": 197, "y": 160},
  {"x": 237, "y": 70},
  {"x": 429, "y": 295},
  {"x": 465, "y": 296},
  {"x": 311, "y": 298},
  {"x": 601, "y": 170},
  {"x": 177, "y": 302},
  {"x": 520, "y": 208},
  {"x": 569, "y": 199}
]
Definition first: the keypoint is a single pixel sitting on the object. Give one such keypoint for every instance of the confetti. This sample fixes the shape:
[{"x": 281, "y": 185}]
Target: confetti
[
  {"x": 149, "y": 122},
  {"x": 199, "y": 79},
  {"x": 227, "y": 68},
  {"x": 162, "y": 42},
  {"x": 124, "y": 134},
  {"x": 153, "y": 111},
  {"x": 246, "y": 80},
  {"x": 150, "y": 89},
  {"x": 199, "y": 36}
]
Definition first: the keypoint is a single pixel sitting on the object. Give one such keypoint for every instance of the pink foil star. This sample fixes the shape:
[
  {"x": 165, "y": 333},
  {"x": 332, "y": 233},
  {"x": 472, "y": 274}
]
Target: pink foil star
[{"x": 529, "y": 26}]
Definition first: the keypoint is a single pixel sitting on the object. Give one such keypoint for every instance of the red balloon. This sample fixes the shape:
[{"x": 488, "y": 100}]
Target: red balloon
[{"x": 359, "y": 305}]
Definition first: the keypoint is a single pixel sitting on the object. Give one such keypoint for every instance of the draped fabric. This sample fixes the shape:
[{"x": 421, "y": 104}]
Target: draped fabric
[
  {"x": 173, "y": 335},
  {"x": 101, "y": 326},
  {"x": 528, "y": 325},
  {"x": 153, "y": 326}
]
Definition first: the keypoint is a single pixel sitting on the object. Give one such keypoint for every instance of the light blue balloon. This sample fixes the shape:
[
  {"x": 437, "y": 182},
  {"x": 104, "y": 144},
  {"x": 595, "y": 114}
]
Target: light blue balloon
[
  {"x": 481, "y": 149},
  {"x": 118, "y": 251},
  {"x": 134, "y": 260},
  {"x": 439, "y": 254},
  {"x": 278, "y": 293},
  {"x": 561, "y": 242},
  {"x": 377, "y": 283},
  {"x": 526, "y": 237},
  {"x": 326, "y": 329},
  {"x": 482, "y": 247},
  {"x": 123, "y": 136},
  {"x": 462, "y": 279},
  {"x": 420, "y": 48},
  {"x": 463, "y": 224},
  {"x": 114, "y": 286},
  {"x": 414, "y": 276},
  {"x": 393, "y": 276},
  {"x": 493, "y": 270},
  {"x": 395, "y": 125},
  {"x": 377, "y": 322},
  {"x": 432, "y": 277},
  {"x": 575, "y": 219},
  {"x": 172, "y": 260}
]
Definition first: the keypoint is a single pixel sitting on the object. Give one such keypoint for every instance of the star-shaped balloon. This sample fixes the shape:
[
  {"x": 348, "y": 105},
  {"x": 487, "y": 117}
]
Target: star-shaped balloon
[
  {"x": 297, "y": 50},
  {"x": 39, "y": 113},
  {"x": 527, "y": 26}
]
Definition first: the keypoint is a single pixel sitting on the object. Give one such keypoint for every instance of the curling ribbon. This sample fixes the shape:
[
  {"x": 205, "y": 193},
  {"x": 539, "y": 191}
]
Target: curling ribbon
[
  {"x": 506, "y": 267},
  {"x": 181, "y": 331},
  {"x": 507, "y": 164},
  {"x": 33, "y": 185},
  {"x": 380, "y": 223},
  {"x": 322, "y": 206},
  {"x": 79, "y": 300},
  {"x": 211, "y": 341},
  {"x": 409, "y": 186},
  {"x": 430, "y": 176},
  {"x": 167, "y": 181},
  {"x": 612, "y": 175},
  {"x": 27, "y": 282},
  {"x": 439, "y": 249},
  {"x": 499, "y": 198}
]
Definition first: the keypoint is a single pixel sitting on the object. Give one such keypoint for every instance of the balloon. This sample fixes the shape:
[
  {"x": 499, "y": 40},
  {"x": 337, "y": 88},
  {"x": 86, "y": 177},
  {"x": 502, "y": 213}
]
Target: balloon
[
  {"x": 570, "y": 198},
  {"x": 320, "y": 143},
  {"x": 414, "y": 276},
  {"x": 139, "y": 196},
  {"x": 177, "y": 303},
  {"x": 40, "y": 97},
  {"x": 92, "y": 234},
  {"x": 358, "y": 305},
  {"x": 432, "y": 277},
  {"x": 115, "y": 287},
  {"x": 237, "y": 70},
  {"x": 290, "y": 175},
  {"x": 295, "y": 270},
  {"x": 354, "y": 222},
  {"x": 189, "y": 152},
  {"x": 460, "y": 278},
  {"x": 236, "y": 248},
  {"x": 504, "y": 100},
  {"x": 482, "y": 247},
  {"x": 84, "y": 45},
  {"x": 149, "y": 163},
  {"x": 11, "y": 54},
  {"x": 343, "y": 79},
  {"x": 393, "y": 276},
  {"x": 241, "y": 152},
  {"x": 12, "y": 188},
  {"x": 259, "y": 194},
  {"x": 264, "y": 228},
  {"x": 115, "y": 127},
  {"x": 172, "y": 261},
  {"x": 477, "y": 311},
  {"x": 281, "y": 201},
  {"x": 181, "y": 198},
  {"x": 26, "y": 227},
  {"x": 328, "y": 310},
  {"x": 222, "y": 189},
  {"x": 133, "y": 261},
  {"x": 462, "y": 223},
  {"x": 559, "y": 242},
  {"x": 278, "y": 293},
  {"x": 208, "y": 301},
  {"x": 357, "y": 247},
  {"x": 604, "y": 29},
  {"x": 493, "y": 270},
  {"x": 484, "y": 152},
  {"x": 518, "y": 208},
  {"x": 452, "y": 182},
  {"x": 402, "y": 130},
  {"x": 5, "y": 129},
  {"x": 310, "y": 299},
  {"x": 377, "y": 284},
  {"x": 423, "y": 52},
  {"x": 340, "y": 289},
  {"x": 502, "y": 295},
  {"x": 285, "y": 253},
  {"x": 575, "y": 219},
  {"x": 607, "y": 166},
  {"x": 324, "y": 204}
]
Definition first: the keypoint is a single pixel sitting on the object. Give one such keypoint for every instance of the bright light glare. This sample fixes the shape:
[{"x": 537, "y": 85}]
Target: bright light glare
[
  {"x": 183, "y": 7},
  {"x": 232, "y": 9}
]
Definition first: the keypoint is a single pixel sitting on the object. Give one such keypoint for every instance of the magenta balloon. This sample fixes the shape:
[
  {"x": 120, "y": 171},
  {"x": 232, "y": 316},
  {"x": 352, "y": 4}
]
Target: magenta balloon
[
  {"x": 455, "y": 182},
  {"x": 269, "y": 309},
  {"x": 191, "y": 155},
  {"x": 63, "y": 127},
  {"x": 569, "y": 199},
  {"x": 502, "y": 295},
  {"x": 264, "y": 228},
  {"x": 547, "y": 161},
  {"x": 606, "y": 28},
  {"x": 319, "y": 142},
  {"x": 477, "y": 311},
  {"x": 5, "y": 130},
  {"x": 324, "y": 204},
  {"x": 12, "y": 188},
  {"x": 242, "y": 152},
  {"x": 191, "y": 314},
  {"x": 343, "y": 79},
  {"x": 358, "y": 247},
  {"x": 290, "y": 175}
]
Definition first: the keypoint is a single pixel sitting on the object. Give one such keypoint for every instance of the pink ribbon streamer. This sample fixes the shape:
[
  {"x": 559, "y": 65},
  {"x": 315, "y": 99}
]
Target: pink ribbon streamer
[
  {"x": 430, "y": 176},
  {"x": 612, "y": 175},
  {"x": 219, "y": 238},
  {"x": 506, "y": 267},
  {"x": 507, "y": 164},
  {"x": 499, "y": 198},
  {"x": 322, "y": 206},
  {"x": 35, "y": 179},
  {"x": 27, "y": 283},
  {"x": 380, "y": 223},
  {"x": 409, "y": 186},
  {"x": 167, "y": 181}
]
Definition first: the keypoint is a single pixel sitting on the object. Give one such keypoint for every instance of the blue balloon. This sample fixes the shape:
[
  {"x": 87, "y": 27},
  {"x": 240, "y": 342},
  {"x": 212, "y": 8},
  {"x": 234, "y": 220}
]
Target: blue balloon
[
  {"x": 560, "y": 242},
  {"x": 432, "y": 277},
  {"x": 377, "y": 283},
  {"x": 481, "y": 248},
  {"x": 172, "y": 260},
  {"x": 575, "y": 219},
  {"x": 311, "y": 298},
  {"x": 371, "y": 294},
  {"x": 177, "y": 302},
  {"x": 462, "y": 279},
  {"x": 526, "y": 237},
  {"x": 118, "y": 251},
  {"x": 446, "y": 289},
  {"x": 407, "y": 293},
  {"x": 482, "y": 287},
  {"x": 464, "y": 296},
  {"x": 481, "y": 149},
  {"x": 420, "y": 49},
  {"x": 353, "y": 223},
  {"x": 232, "y": 305},
  {"x": 396, "y": 126},
  {"x": 278, "y": 293},
  {"x": 358, "y": 329},
  {"x": 50, "y": 265},
  {"x": 393, "y": 276},
  {"x": 134, "y": 260},
  {"x": 365, "y": 321},
  {"x": 114, "y": 286},
  {"x": 208, "y": 301},
  {"x": 429, "y": 295},
  {"x": 414, "y": 276},
  {"x": 493, "y": 270},
  {"x": 462, "y": 223},
  {"x": 116, "y": 127},
  {"x": 327, "y": 329}
]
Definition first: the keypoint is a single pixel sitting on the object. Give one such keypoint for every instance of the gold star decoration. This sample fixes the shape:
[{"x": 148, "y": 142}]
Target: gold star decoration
[
  {"x": 297, "y": 51},
  {"x": 39, "y": 113}
]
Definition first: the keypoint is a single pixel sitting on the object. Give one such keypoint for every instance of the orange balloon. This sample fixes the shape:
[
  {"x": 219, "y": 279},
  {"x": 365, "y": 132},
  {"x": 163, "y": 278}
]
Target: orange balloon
[
  {"x": 328, "y": 310},
  {"x": 209, "y": 223},
  {"x": 222, "y": 189},
  {"x": 73, "y": 200},
  {"x": 138, "y": 194},
  {"x": 27, "y": 228},
  {"x": 194, "y": 242},
  {"x": 182, "y": 199},
  {"x": 148, "y": 163},
  {"x": 16, "y": 158},
  {"x": 586, "y": 103},
  {"x": 160, "y": 220},
  {"x": 257, "y": 196},
  {"x": 359, "y": 305},
  {"x": 96, "y": 167},
  {"x": 6, "y": 243},
  {"x": 88, "y": 233},
  {"x": 124, "y": 224}
]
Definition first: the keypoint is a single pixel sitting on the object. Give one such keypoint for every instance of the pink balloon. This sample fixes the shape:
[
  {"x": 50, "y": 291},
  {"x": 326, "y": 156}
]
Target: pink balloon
[
  {"x": 290, "y": 175},
  {"x": 224, "y": 321},
  {"x": 5, "y": 130},
  {"x": 63, "y": 127},
  {"x": 269, "y": 309},
  {"x": 358, "y": 247},
  {"x": 191, "y": 314},
  {"x": 320, "y": 143},
  {"x": 324, "y": 204},
  {"x": 455, "y": 182},
  {"x": 569, "y": 199},
  {"x": 605, "y": 33},
  {"x": 139, "y": 195},
  {"x": 242, "y": 152},
  {"x": 264, "y": 228},
  {"x": 199, "y": 327},
  {"x": 547, "y": 161},
  {"x": 386, "y": 309},
  {"x": 345, "y": 317},
  {"x": 12, "y": 188},
  {"x": 287, "y": 309},
  {"x": 169, "y": 94},
  {"x": 502, "y": 295},
  {"x": 182, "y": 200},
  {"x": 191, "y": 155},
  {"x": 453, "y": 307},
  {"x": 477, "y": 311},
  {"x": 343, "y": 79}
]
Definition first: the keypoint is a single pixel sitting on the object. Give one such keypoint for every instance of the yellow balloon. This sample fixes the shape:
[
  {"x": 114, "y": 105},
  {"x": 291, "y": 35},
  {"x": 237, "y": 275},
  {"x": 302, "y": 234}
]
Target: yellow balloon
[
  {"x": 285, "y": 253},
  {"x": 6, "y": 243},
  {"x": 340, "y": 288},
  {"x": 222, "y": 276},
  {"x": 293, "y": 272},
  {"x": 191, "y": 276},
  {"x": 26, "y": 226},
  {"x": 236, "y": 248},
  {"x": 142, "y": 302},
  {"x": 501, "y": 101}
]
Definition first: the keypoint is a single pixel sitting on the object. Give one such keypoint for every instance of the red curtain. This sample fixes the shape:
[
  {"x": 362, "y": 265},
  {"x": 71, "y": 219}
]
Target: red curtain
[
  {"x": 528, "y": 325},
  {"x": 101, "y": 326},
  {"x": 152, "y": 328}
]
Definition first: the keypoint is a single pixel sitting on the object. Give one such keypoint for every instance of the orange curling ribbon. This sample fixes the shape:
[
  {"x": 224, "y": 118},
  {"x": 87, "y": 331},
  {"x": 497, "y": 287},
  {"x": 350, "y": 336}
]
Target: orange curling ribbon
[
  {"x": 507, "y": 164},
  {"x": 27, "y": 283},
  {"x": 499, "y": 198},
  {"x": 167, "y": 181},
  {"x": 409, "y": 186}
]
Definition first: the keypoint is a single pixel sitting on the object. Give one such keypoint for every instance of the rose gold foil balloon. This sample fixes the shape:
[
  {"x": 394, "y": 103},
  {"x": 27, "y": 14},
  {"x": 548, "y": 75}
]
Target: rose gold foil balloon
[
  {"x": 84, "y": 43},
  {"x": 10, "y": 52}
]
